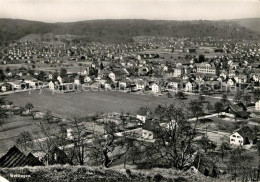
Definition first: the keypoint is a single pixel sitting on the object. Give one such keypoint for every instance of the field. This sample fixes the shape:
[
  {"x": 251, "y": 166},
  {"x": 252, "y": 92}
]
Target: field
[
  {"x": 90, "y": 102},
  {"x": 80, "y": 103},
  {"x": 12, "y": 128}
]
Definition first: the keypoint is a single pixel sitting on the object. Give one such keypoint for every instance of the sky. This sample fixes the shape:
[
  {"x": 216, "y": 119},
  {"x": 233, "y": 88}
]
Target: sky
[{"x": 78, "y": 10}]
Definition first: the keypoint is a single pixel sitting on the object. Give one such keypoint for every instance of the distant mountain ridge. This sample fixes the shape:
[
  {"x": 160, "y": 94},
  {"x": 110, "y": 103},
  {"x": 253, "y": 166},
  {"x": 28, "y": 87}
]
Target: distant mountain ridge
[
  {"x": 123, "y": 30},
  {"x": 250, "y": 23}
]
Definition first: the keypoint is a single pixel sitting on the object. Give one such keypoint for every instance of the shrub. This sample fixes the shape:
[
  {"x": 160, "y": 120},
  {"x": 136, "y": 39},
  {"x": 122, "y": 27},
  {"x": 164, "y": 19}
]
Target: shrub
[{"x": 158, "y": 177}]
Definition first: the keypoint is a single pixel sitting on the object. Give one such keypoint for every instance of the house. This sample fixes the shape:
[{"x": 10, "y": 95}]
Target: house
[
  {"x": 124, "y": 83},
  {"x": 143, "y": 114},
  {"x": 59, "y": 79},
  {"x": 257, "y": 105},
  {"x": 173, "y": 85},
  {"x": 155, "y": 88},
  {"x": 178, "y": 71},
  {"x": 77, "y": 80},
  {"x": 112, "y": 76},
  {"x": 237, "y": 110},
  {"x": 231, "y": 82},
  {"x": 188, "y": 87},
  {"x": 15, "y": 158},
  {"x": 243, "y": 136},
  {"x": 51, "y": 85},
  {"x": 150, "y": 130},
  {"x": 5, "y": 87},
  {"x": 140, "y": 85},
  {"x": 56, "y": 156},
  {"x": 87, "y": 79}
]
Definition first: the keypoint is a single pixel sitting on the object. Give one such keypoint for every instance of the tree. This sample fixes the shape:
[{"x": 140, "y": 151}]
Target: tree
[
  {"x": 224, "y": 100},
  {"x": 174, "y": 145},
  {"x": 209, "y": 107},
  {"x": 223, "y": 149},
  {"x": 219, "y": 107},
  {"x": 7, "y": 70},
  {"x": 240, "y": 165},
  {"x": 25, "y": 140},
  {"x": 103, "y": 147},
  {"x": 206, "y": 144},
  {"x": 29, "y": 106},
  {"x": 63, "y": 72},
  {"x": 79, "y": 134},
  {"x": 256, "y": 94},
  {"x": 101, "y": 66},
  {"x": 201, "y": 58},
  {"x": 2, "y": 75},
  {"x": 179, "y": 95},
  {"x": 247, "y": 99},
  {"x": 41, "y": 75},
  {"x": 45, "y": 140},
  {"x": 238, "y": 96},
  {"x": 201, "y": 98},
  {"x": 48, "y": 117},
  {"x": 195, "y": 108}
]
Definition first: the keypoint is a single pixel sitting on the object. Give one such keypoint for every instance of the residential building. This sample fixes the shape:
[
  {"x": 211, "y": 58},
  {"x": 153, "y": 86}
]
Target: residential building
[
  {"x": 243, "y": 136},
  {"x": 143, "y": 114}
]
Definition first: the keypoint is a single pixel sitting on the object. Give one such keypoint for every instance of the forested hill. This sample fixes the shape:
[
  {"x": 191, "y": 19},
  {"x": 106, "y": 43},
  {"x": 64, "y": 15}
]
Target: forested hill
[{"x": 124, "y": 30}]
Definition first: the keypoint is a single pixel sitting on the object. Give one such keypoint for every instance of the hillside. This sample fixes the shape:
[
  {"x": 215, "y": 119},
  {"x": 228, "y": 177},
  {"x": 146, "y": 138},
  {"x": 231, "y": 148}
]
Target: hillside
[
  {"x": 89, "y": 174},
  {"x": 250, "y": 23},
  {"x": 123, "y": 30}
]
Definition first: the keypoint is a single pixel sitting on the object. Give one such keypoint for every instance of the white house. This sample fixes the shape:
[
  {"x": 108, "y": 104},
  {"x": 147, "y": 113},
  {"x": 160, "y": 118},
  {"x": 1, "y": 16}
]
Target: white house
[
  {"x": 59, "y": 79},
  {"x": 87, "y": 79},
  {"x": 140, "y": 85},
  {"x": 112, "y": 76},
  {"x": 188, "y": 87},
  {"x": 231, "y": 82},
  {"x": 76, "y": 80},
  {"x": 143, "y": 113},
  {"x": 257, "y": 105},
  {"x": 51, "y": 85},
  {"x": 243, "y": 136},
  {"x": 155, "y": 88}
]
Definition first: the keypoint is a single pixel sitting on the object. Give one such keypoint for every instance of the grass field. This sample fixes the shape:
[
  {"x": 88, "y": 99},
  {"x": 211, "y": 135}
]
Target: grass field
[
  {"x": 90, "y": 102},
  {"x": 10, "y": 131}
]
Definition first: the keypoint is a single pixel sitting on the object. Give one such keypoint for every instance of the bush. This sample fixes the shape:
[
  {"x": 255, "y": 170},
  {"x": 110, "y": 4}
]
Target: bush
[{"x": 158, "y": 177}]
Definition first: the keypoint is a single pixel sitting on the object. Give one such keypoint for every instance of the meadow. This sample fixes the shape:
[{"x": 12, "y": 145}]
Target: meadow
[{"x": 91, "y": 102}]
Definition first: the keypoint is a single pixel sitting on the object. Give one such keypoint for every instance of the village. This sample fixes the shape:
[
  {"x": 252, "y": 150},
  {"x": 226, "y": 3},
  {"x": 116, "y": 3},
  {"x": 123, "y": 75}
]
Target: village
[{"x": 209, "y": 87}]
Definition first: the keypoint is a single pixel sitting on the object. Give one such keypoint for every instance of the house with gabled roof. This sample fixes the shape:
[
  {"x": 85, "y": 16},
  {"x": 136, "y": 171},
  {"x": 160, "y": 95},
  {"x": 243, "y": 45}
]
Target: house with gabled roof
[
  {"x": 56, "y": 156},
  {"x": 238, "y": 110},
  {"x": 243, "y": 136},
  {"x": 143, "y": 114},
  {"x": 150, "y": 129},
  {"x": 15, "y": 158}
]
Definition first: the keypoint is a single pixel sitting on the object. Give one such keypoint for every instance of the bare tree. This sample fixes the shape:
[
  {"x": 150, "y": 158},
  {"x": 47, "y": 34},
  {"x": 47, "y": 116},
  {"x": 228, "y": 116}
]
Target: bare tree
[
  {"x": 106, "y": 149},
  {"x": 174, "y": 144},
  {"x": 79, "y": 138},
  {"x": 25, "y": 140}
]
